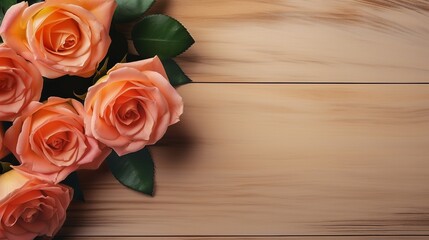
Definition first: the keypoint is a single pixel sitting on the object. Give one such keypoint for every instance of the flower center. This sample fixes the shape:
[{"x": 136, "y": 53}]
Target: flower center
[
  {"x": 59, "y": 33},
  {"x": 5, "y": 83},
  {"x": 69, "y": 42},
  {"x": 30, "y": 215},
  {"x": 129, "y": 112},
  {"x": 57, "y": 142}
]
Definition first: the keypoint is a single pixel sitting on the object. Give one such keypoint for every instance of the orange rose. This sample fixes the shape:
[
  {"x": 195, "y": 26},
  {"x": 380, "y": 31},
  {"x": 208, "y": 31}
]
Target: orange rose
[
  {"x": 31, "y": 207},
  {"x": 20, "y": 83},
  {"x": 60, "y": 36},
  {"x": 132, "y": 106},
  {"x": 49, "y": 140},
  {"x": 3, "y": 150}
]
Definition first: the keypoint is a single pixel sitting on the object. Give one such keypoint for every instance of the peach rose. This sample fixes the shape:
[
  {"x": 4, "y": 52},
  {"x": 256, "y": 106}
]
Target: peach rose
[
  {"x": 60, "y": 36},
  {"x": 3, "y": 150},
  {"x": 132, "y": 106},
  {"x": 20, "y": 83},
  {"x": 49, "y": 140},
  {"x": 31, "y": 207}
]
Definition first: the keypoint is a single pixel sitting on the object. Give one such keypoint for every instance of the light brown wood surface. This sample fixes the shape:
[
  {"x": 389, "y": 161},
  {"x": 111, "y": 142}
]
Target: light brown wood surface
[
  {"x": 305, "y": 40},
  {"x": 275, "y": 143}
]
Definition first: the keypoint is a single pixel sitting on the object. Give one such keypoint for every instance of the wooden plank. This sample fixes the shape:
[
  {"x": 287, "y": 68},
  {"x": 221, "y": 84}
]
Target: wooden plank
[
  {"x": 304, "y": 41},
  {"x": 284, "y": 160}
]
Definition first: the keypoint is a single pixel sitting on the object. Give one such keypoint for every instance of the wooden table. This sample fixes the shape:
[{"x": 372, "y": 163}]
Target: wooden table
[{"x": 306, "y": 120}]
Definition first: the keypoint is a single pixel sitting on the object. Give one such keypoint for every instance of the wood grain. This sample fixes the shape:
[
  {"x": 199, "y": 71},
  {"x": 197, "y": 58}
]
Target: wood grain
[
  {"x": 277, "y": 160},
  {"x": 255, "y": 159},
  {"x": 304, "y": 41}
]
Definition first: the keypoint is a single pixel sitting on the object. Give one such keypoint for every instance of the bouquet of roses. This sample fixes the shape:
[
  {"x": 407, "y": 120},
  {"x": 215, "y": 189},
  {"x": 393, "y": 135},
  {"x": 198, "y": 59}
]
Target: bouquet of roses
[{"x": 71, "y": 97}]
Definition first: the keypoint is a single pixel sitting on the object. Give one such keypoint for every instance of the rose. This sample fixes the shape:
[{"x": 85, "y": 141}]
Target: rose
[
  {"x": 50, "y": 142},
  {"x": 60, "y": 36},
  {"x": 20, "y": 83},
  {"x": 132, "y": 106},
  {"x": 31, "y": 207},
  {"x": 3, "y": 150}
]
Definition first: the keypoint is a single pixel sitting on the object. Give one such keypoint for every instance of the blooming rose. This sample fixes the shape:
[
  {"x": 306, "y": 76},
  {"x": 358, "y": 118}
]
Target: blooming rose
[
  {"x": 132, "y": 106},
  {"x": 31, "y": 207},
  {"x": 20, "y": 83},
  {"x": 60, "y": 36},
  {"x": 49, "y": 140}
]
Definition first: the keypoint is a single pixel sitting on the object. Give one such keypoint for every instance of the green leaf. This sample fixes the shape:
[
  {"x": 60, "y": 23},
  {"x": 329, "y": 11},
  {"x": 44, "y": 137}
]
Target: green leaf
[
  {"x": 6, "y": 4},
  {"x": 134, "y": 170},
  {"x": 175, "y": 74},
  {"x": 72, "y": 181},
  {"x": 160, "y": 35},
  {"x": 129, "y": 10}
]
